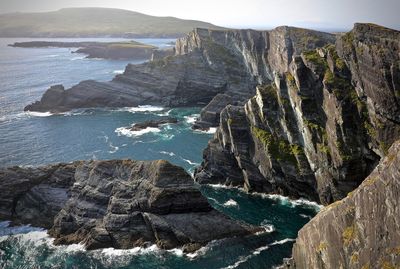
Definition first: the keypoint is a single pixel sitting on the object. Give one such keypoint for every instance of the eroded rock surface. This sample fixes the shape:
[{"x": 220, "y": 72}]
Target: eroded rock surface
[
  {"x": 320, "y": 128},
  {"x": 118, "y": 203},
  {"x": 206, "y": 63},
  {"x": 360, "y": 231}
]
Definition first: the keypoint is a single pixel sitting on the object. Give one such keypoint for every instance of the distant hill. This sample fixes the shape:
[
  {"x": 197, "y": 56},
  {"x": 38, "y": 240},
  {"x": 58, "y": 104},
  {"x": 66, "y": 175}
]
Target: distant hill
[{"x": 95, "y": 22}]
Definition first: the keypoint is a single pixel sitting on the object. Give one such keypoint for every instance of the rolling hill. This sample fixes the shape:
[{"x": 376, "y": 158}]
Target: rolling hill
[{"x": 95, "y": 22}]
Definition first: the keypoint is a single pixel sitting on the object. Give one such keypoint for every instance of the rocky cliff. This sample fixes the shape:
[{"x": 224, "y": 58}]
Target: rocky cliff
[
  {"x": 206, "y": 63},
  {"x": 360, "y": 231},
  {"x": 320, "y": 128},
  {"x": 120, "y": 204}
]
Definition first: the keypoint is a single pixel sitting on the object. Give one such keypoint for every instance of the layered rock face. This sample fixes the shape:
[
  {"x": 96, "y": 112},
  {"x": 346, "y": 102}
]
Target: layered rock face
[
  {"x": 120, "y": 204},
  {"x": 360, "y": 231},
  {"x": 319, "y": 129},
  {"x": 206, "y": 63}
]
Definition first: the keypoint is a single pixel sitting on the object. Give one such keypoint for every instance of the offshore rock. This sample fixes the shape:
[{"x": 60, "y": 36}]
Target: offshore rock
[
  {"x": 360, "y": 231},
  {"x": 117, "y": 203},
  {"x": 106, "y": 50},
  {"x": 152, "y": 124}
]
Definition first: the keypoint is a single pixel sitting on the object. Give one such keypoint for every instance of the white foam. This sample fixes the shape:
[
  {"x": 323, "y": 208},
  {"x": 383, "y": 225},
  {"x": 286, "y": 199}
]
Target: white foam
[
  {"x": 78, "y": 58},
  {"x": 282, "y": 199},
  {"x": 167, "y": 153},
  {"x": 118, "y": 72},
  {"x": 283, "y": 241},
  {"x": 231, "y": 203},
  {"x": 165, "y": 113},
  {"x": 192, "y": 118},
  {"x": 127, "y": 132},
  {"x": 176, "y": 251},
  {"x": 305, "y": 216},
  {"x": 190, "y": 162},
  {"x": 210, "y": 130},
  {"x": 113, "y": 148},
  {"x": 39, "y": 114},
  {"x": 145, "y": 108},
  {"x": 256, "y": 252}
]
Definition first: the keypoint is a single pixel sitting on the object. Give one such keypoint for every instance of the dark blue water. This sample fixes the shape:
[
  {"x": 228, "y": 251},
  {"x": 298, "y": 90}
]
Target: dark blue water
[{"x": 41, "y": 138}]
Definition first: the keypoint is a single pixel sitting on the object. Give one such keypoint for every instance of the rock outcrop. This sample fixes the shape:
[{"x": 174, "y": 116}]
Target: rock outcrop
[
  {"x": 360, "y": 231},
  {"x": 320, "y": 128},
  {"x": 152, "y": 123},
  {"x": 206, "y": 63},
  {"x": 117, "y": 203}
]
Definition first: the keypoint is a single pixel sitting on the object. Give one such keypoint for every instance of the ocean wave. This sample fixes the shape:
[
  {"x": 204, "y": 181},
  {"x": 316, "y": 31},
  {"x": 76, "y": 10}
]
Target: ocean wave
[
  {"x": 78, "y": 58},
  {"x": 191, "y": 118},
  {"x": 305, "y": 216},
  {"x": 231, "y": 203},
  {"x": 167, "y": 153},
  {"x": 15, "y": 116},
  {"x": 210, "y": 130},
  {"x": 118, "y": 72},
  {"x": 268, "y": 227},
  {"x": 256, "y": 252},
  {"x": 166, "y": 113},
  {"x": 144, "y": 108},
  {"x": 190, "y": 162},
  {"x": 126, "y": 132},
  {"x": 39, "y": 114},
  {"x": 113, "y": 148},
  {"x": 277, "y": 197},
  {"x": 6, "y": 229}
]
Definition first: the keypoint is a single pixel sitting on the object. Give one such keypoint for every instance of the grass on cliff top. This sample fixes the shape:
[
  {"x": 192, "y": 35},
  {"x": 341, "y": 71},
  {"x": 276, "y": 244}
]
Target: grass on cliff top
[{"x": 131, "y": 44}]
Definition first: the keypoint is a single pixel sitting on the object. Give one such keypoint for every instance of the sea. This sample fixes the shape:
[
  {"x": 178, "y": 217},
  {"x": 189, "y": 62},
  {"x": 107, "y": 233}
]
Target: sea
[{"x": 34, "y": 139}]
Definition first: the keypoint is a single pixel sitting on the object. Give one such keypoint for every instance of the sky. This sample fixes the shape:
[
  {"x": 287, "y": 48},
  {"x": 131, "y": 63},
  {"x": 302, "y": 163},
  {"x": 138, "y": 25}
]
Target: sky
[{"x": 258, "y": 14}]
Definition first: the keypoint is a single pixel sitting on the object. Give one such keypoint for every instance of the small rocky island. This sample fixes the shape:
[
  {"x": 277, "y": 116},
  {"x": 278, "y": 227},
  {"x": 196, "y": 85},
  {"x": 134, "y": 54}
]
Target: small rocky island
[
  {"x": 152, "y": 124},
  {"x": 117, "y": 203},
  {"x": 131, "y": 50}
]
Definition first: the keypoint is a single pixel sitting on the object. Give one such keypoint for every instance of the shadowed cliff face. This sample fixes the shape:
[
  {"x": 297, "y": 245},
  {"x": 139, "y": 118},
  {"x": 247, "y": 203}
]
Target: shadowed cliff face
[
  {"x": 360, "y": 231},
  {"x": 206, "y": 63},
  {"x": 118, "y": 203},
  {"x": 319, "y": 129}
]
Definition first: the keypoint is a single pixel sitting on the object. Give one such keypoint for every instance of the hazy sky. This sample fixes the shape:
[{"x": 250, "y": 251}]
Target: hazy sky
[{"x": 242, "y": 13}]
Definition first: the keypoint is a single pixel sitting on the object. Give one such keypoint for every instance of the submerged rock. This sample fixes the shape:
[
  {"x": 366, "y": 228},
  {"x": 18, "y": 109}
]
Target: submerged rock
[
  {"x": 360, "y": 231},
  {"x": 118, "y": 203}
]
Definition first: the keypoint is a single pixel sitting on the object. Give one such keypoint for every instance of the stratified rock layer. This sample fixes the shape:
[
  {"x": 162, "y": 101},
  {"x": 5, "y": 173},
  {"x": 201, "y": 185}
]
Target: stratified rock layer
[
  {"x": 120, "y": 204},
  {"x": 320, "y": 128},
  {"x": 360, "y": 231},
  {"x": 206, "y": 63}
]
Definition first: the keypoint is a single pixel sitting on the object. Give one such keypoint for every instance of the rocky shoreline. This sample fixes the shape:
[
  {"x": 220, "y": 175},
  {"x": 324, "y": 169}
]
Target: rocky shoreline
[
  {"x": 299, "y": 113},
  {"x": 117, "y": 203}
]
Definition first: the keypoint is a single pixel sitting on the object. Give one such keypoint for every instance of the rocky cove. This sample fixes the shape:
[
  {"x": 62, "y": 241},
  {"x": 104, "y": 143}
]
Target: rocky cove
[{"x": 300, "y": 113}]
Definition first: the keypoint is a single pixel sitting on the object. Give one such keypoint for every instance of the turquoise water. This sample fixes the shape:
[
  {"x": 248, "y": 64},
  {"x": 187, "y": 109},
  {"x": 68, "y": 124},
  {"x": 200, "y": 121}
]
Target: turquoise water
[{"x": 37, "y": 139}]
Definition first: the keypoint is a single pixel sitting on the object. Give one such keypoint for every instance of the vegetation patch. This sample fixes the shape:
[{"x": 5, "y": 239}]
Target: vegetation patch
[
  {"x": 354, "y": 258},
  {"x": 290, "y": 80},
  {"x": 349, "y": 234},
  {"x": 312, "y": 56},
  {"x": 322, "y": 246},
  {"x": 279, "y": 149}
]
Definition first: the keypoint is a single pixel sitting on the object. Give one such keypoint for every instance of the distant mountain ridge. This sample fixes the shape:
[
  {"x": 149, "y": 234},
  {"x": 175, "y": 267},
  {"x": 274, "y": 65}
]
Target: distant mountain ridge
[{"x": 95, "y": 22}]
